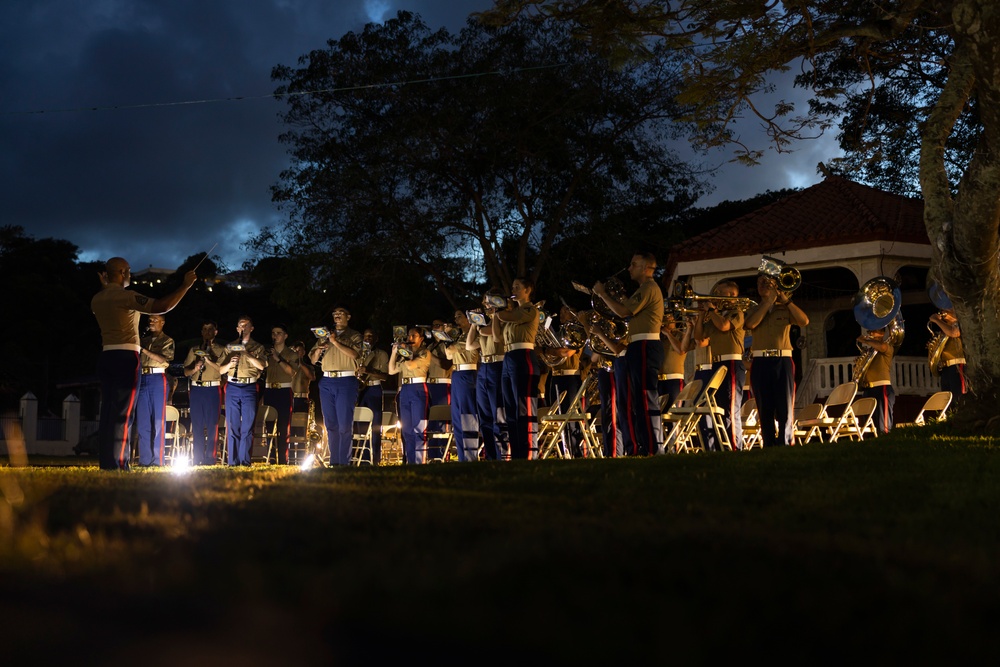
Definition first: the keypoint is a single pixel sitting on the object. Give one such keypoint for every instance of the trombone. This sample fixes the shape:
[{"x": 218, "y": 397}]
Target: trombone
[{"x": 685, "y": 295}]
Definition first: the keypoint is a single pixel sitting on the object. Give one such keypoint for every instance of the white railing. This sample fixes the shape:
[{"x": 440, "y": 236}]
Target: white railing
[{"x": 910, "y": 375}]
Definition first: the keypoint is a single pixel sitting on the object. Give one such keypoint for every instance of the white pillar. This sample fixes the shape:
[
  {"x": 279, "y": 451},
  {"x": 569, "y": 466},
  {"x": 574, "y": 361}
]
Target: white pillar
[{"x": 29, "y": 419}]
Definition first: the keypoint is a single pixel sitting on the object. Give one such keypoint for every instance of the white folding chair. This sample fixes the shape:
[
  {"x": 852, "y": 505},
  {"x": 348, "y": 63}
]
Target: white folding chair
[{"x": 362, "y": 442}]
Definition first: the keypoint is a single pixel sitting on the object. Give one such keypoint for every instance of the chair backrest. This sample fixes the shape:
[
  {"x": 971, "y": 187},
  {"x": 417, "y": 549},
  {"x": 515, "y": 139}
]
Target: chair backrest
[
  {"x": 863, "y": 408},
  {"x": 689, "y": 393},
  {"x": 363, "y": 414},
  {"x": 842, "y": 394},
  {"x": 716, "y": 380},
  {"x": 937, "y": 403},
  {"x": 388, "y": 419},
  {"x": 748, "y": 408},
  {"x": 171, "y": 414},
  {"x": 265, "y": 414},
  {"x": 300, "y": 420},
  {"x": 440, "y": 413},
  {"x": 811, "y": 411}
]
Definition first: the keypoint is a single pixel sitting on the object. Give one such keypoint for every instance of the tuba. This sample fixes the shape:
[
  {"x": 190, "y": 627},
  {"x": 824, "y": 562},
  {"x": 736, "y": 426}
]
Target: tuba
[
  {"x": 786, "y": 278},
  {"x": 877, "y": 305}
]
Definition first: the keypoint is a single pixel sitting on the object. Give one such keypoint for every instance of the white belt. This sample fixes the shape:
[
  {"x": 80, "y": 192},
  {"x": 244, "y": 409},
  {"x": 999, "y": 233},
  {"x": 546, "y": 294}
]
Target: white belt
[
  {"x": 302, "y": 394},
  {"x": 492, "y": 358},
  {"x": 555, "y": 372},
  {"x": 772, "y": 353},
  {"x": 243, "y": 381},
  {"x": 671, "y": 376},
  {"x": 651, "y": 336},
  {"x": 279, "y": 385},
  {"x": 726, "y": 357},
  {"x": 206, "y": 384},
  {"x": 413, "y": 380},
  {"x": 148, "y": 371},
  {"x": 466, "y": 367},
  {"x": 338, "y": 374},
  {"x": 438, "y": 380},
  {"x": 521, "y": 346},
  {"x": 124, "y": 346},
  {"x": 955, "y": 362},
  {"x": 704, "y": 367},
  {"x": 373, "y": 383},
  {"x": 879, "y": 383}
]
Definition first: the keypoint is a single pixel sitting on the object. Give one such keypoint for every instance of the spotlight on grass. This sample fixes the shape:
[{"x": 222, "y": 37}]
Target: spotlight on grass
[{"x": 181, "y": 466}]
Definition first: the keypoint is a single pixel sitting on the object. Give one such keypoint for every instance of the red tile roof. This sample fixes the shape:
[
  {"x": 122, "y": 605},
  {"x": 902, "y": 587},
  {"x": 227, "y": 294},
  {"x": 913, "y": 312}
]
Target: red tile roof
[{"x": 833, "y": 212}]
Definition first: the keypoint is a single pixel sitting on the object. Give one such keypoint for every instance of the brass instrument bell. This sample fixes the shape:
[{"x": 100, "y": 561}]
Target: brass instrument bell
[{"x": 787, "y": 278}]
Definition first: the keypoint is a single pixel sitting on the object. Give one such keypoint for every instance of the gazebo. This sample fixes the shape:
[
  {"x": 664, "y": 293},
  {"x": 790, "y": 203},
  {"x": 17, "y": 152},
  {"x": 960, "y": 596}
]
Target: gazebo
[{"x": 838, "y": 234}]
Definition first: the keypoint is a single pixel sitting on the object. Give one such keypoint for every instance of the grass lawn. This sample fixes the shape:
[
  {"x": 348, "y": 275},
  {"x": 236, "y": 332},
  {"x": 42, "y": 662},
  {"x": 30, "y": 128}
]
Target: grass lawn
[{"x": 878, "y": 551}]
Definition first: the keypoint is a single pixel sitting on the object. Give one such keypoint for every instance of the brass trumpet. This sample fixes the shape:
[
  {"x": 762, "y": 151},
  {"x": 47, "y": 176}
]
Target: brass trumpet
[{"x": 684, "y": 294}]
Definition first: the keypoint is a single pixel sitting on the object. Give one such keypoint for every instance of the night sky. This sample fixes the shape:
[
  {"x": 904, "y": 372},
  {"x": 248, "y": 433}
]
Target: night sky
[{"x": 158, "y": 184}]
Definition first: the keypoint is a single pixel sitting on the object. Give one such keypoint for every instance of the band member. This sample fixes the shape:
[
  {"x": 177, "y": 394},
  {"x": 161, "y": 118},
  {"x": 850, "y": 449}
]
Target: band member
[
  {"x": 518, "y": 327},
  {"x": 644, "y": 354},
  {"x": 247, "y": 360},
  {"x": 611, "y": 427},
  {"x": 567, "y": 380},
  {"x": 953, "y": 356},
  {"x": 489, "y": 396},
  {"x": 616, "y": 391},
  {"x": 205, "y": 394},
  {"x": 721, "y": 325},
  {"x": 876, "y": 382},
  {"x": 773, "y": 376},
  {"x": 303, "y": 379},
  {"x": 464, "y": 413},
  {"x": 676, "y": 345},
  {"x": 282, "y": 366},
  {"x": 117, "y": 312},
  {"x": 373, "y": 369},
  {"x": 338, "y": 384},
  {"x": 414, "y": 398},
  {"x": 438, "y": 378},
  {"x": 157, "y": 351}
]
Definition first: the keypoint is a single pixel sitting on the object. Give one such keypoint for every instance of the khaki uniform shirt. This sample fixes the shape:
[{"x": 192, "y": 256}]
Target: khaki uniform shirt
[
  {"x": 773, "y": 331},
  {"x": 416, "y": 367},
  {"x": 523, "y": 328},
  {"x": 216, "y": 353},
  {"x": 438, "y": 355},
  {"x": 879, "y": 369},
  {"x": 459, "y": 354},
  {"x": 243, "y": 370},
  {"x": 953, "y": 350},
  {"x": 375, "y": 359},
  {"x": 726, "y": 342},
  {"x": 160, "y": 344},
  {"x": 673, "y": 363},
  {"x": 335, "y": 360},
  {"x": 276, "y": 373},
  {"x": 117, "y": 311},
  {"x": 646, "y": 306},
  {"x": 488, "y": 345}
]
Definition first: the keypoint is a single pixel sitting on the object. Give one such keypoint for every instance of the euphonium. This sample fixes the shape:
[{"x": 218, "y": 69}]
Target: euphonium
[
  {"x": 607, "y": 320},
  {"x": 935, "y": 348},
  {"x": 545, "y": 340}
]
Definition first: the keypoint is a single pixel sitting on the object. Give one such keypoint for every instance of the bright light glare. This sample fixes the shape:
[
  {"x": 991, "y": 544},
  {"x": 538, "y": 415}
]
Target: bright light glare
[
  {"x": 181, "y": 466},
  {"x": 308, "y": 463}
]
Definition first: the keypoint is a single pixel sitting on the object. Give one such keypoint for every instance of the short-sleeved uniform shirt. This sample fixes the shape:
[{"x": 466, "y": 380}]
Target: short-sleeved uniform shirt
[
  {"x": 160, "y": 344},
  {"x": 335, "y": 360},
  {"x": 646, "y": 306},
  {"x": 523, "y": 328},
  {"x": 215, "y": 352},
  {"x": 117, "y": 311},
  {"x": 243, "y": 370}
]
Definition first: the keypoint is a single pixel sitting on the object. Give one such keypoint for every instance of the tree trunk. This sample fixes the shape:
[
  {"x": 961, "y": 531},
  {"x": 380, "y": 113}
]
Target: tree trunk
[{"x": 965, "y": 246}]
